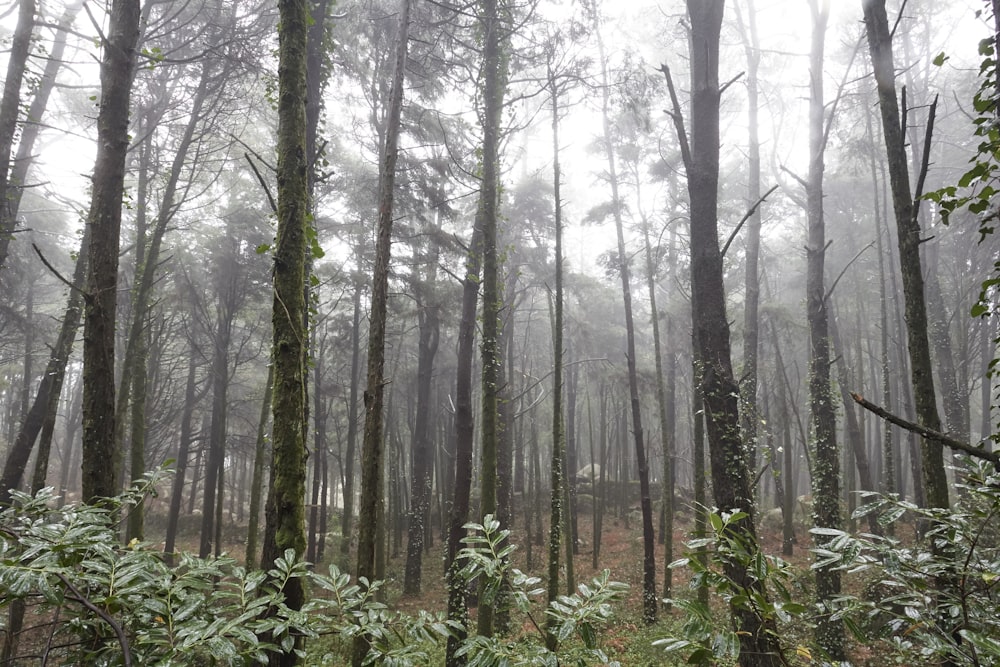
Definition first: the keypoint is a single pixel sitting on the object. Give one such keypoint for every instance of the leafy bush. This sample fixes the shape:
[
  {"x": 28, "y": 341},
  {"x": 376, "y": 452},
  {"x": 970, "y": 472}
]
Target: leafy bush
[
  {"x": 108, "y": 604},
  {"x": 935, "y": 601},
  {"x": 704, "y": 639},
  {"x": 487, "y": 559},
  {"x": 94, "y": 601}
]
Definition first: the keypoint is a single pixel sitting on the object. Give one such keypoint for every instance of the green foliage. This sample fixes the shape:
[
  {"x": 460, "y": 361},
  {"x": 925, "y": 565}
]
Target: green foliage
[
  {"x": 907, "y": 607},
  {"x": 704, "y": 639},
  {"x": 107, "y": 600},
  {"x": 576, "y": 617},
  {"x": 976, "y": 190}
]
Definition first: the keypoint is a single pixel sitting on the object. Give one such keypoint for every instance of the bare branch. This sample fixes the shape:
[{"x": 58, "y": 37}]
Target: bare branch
[
  {"x": 678, "y": 119},
  {"x": 929, "y": 434},
  {"x": 746, "y": 217},
  {"x": 829, "y": 292}
]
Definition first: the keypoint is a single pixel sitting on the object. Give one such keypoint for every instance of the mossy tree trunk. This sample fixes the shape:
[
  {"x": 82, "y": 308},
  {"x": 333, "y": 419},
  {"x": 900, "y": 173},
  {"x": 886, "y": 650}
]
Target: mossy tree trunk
[
  {"x": 285, "y": 512},
  {"x": 826, "y": 468},
  {"x": 730, "y": 475},
  {"x": 10, "y": 110},
  {"x": 556, "y": 501}
]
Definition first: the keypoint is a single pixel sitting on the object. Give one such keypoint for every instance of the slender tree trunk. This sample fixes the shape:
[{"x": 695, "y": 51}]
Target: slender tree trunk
[
  {"x": 319, "y": 444},
  {"x": 661, "y": 400},
  {"x": 10, "y": 110},
  {"x": 260, "y": 458},
  {"x": 787, "y": 494},
  {"x": 183, "y": 453},
  {"x": 932, "y": 456},
  {"x": 826, "y": 469},
  {"x": 751, "y": 318},
  {"x": 50, "y": 386},
  {"x": 217, "y": 434},
  {"x": 855, "y": 433},
  {"x": 347, "y": 520},
  {"x": 423, "y": 446},
  {"x": 372, "y": 455},
  {"x": 556, "y": 508},
  {"x": 649, "y": 600},
  {"x": 104, "y": 220}
]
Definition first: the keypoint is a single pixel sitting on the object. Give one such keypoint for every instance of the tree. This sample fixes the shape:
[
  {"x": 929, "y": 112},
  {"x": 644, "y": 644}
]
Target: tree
[
  {"x": 489, "y": 116},
  {"x": 826, "y": 462},
  {"x": 649, "y": 601},
  {"x": 285, "y": 513},
  {"x": 104, "y": 220},
  {"x": 730, "y": 476},
  {"x": 10, "y": 109},
  {"x": 372, "y": 457},
  {"x": 908, "y": 226}
]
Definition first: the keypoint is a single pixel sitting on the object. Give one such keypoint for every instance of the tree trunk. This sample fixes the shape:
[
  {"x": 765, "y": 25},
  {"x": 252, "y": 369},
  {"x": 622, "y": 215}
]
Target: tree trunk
[
  {"x": 661, "y": 400},
  {"x": 494, "y": 86},
  {"x": 826, "y": 467},
  {"x": 217, "y": 433},
  {"x": 347, "y": 463},
  {"x": 730, "y": 476},
  {"x": 372, "y": 455},
  {"x": 183, "y": 453},
  {"x": 556, "y": 501},
  {"x": 751, "y": 318},
  {"x": 10, "y": 109},
  {"x": 104, "y": 220},
  {"x": 932, "y": 456},
  {"x": 649, "y": 600},
  {"x": 423, "y": 445},
  {"x": 855, "y": 434},
  {"x": 285, "y": 514},
  {"x": 259, "y": 463},
  {"x": 50, "y": 386}
]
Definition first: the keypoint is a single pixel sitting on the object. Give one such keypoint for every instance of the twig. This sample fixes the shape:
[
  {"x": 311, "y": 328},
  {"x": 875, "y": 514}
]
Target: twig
[
  {"x": 55, "y": 272},
  {"x": 263, "y": 184},
  {"x": 829, "y": 292},
  {"x": 746, "y": 217},
  {"x": 107, "y": 618},
  {"x": 678, "y": 119},
  {"x": 928, "y": 433},
  {"x": 726, "y": 85},
  {"x": 925, "y": 159}
]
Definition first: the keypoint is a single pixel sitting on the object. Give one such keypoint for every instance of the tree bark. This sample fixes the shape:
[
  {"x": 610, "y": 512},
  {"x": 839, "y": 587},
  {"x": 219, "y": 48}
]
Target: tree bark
[
  {"x": 730, "y": 476},
  {"x": 285, "y": 514},
  {"x": 826, "y": 467},
  {"x": 429, "y": 323},
  {"x": 104, "y": 219},
  {"x": 751, "y": 302},
  {"x": 556, "y": 482},
  {"x": 183, "y": 453},
  {"x": 10, "y": 109}
]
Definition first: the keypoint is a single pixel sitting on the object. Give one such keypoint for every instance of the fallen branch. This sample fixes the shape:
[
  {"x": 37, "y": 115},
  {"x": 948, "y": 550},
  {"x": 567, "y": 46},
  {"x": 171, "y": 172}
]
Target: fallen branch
[{"x": 929, "y": 434}]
